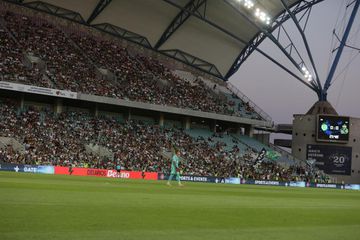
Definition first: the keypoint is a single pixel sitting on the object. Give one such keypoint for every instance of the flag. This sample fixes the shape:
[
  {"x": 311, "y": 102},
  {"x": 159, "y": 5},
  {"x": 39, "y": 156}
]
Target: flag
[{"x": 261, "y": 156}]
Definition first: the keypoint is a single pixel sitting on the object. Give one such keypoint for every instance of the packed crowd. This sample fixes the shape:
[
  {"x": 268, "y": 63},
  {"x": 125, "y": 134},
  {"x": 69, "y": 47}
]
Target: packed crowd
[
  {"x": 60, "y": 139},
  {"x": 66, "y": 66},
  {"x": 73, "y": 62},
  {"x": 12, "y": 65}
]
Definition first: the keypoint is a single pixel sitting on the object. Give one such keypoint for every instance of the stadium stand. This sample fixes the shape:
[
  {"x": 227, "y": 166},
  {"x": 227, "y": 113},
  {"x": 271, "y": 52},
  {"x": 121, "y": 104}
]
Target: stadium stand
[
  {"x": 12, "y": 67},
  {"x": 61, "y": 139},
  {"x": 257, "y": 146},
  {"x": 235, "y": 104},
  {"x": 81, "y": 62},
  {"x": 35, "y": 51},
  {"x": 225, "y": 140}
]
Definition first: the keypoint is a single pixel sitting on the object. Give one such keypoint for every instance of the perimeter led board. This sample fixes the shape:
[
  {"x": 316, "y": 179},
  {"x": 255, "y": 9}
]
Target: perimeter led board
[{"x": 333, "y": 128}]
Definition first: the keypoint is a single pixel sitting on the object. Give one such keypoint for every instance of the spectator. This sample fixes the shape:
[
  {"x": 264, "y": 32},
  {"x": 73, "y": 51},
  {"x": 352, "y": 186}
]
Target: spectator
[
  {"x": 59, "y": 139},
  {"x": 73, "y": 61}
]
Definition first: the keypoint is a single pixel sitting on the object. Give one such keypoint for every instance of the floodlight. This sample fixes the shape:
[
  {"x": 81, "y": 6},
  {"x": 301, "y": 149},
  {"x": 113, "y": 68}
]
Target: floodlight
[
  {"x": 258, "y": 13},
  {"x": 249, "y": 4}
]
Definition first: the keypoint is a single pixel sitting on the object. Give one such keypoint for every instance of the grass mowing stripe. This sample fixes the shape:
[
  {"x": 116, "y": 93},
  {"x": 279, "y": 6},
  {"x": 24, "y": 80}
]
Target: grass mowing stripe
[{"x": 62, "y": 207}]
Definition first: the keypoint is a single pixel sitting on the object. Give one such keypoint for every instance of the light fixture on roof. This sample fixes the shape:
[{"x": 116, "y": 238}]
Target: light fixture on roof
[
  {"x": 307, "y": 74},
  {"x": 259, "y": 14},
  {"x": 249, "y": 4},
  {"x": 262, "y": 16}
]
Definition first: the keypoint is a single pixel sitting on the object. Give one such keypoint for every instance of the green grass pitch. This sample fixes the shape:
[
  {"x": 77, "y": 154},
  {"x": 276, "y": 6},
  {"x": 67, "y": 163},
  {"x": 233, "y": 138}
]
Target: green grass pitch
[{"x": 69, "y": 207}]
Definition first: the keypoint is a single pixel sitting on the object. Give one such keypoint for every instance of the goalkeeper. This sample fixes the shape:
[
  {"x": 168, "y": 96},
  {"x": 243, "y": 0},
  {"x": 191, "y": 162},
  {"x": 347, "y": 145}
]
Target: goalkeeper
[{"x": 175, "y": 168}]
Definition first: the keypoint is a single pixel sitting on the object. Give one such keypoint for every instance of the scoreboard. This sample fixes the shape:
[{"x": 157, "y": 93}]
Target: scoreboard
[
  {"x": 331, "y": 159},
  {"x": 331, "y": 128}
]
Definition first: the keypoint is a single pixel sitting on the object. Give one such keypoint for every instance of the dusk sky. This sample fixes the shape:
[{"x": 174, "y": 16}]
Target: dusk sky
[{"x": 281, "y": 95}]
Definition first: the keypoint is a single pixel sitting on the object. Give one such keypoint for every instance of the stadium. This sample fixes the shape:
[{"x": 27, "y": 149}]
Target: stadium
[{"x": 124, "y": 119}]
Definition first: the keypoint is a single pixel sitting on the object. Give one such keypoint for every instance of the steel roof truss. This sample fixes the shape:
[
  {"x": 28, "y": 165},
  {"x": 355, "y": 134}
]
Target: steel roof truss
[
  {"x": 179, "y": 20},
  {"x": 102, "y": 4},
  {"x": 279, "y": 20}
]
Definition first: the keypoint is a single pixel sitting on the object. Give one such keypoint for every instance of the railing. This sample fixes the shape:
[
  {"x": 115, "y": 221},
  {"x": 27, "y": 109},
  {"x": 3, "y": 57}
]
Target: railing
[
  {"x": 278, "y": 149},
  {"x": 243, "y": 142},
  {"x": 286, "y": 154},
  {"x": 16, "y": 145},
  {"x": 245, "y": 99},
  {"x": 99, "y": 150}
]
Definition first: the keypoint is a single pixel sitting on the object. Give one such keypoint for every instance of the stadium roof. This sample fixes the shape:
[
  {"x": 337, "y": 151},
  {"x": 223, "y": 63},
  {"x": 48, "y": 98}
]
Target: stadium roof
[{"x": 215, "y": 36}]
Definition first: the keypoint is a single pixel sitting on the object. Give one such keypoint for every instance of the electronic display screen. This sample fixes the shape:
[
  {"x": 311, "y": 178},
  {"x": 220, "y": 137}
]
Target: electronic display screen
[
  {"x": 333, "y": 128},
  {"x": 331, "y": 159}
]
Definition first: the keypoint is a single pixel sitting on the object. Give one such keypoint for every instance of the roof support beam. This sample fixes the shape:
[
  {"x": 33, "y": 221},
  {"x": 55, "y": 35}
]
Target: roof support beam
[
  {"x": 201, "y": 17},
  {"x": 252, "y": 45},
  {"x": 340, "y": 50},
  {"x": 293, "y": 17},
  {"x": 16, "y": 1},
  {"x": 102, "y": 4},
  {"x": 276, "y": 42},
  {"x": 54, "y": 10},
  {"x": 181, "y": 17},
  {"x": 193, "y": 61},
  {"x": 290, "y": 72},
  {"x": 204, "y": 19}
]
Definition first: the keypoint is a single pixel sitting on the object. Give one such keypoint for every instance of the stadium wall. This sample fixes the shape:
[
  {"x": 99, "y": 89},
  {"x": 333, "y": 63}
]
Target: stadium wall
[{"x": 304, "y": 137}]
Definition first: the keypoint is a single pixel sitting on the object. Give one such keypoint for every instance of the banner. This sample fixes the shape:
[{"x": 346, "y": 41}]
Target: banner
[
  {"x": 187, "y": 178},
  {"x": 263, "y": 182},
  {"x": 207, "y": 179},
  {"x": 106, "y": 173},
  {"x": 160, "y": 176},
  {"x": 11, "y": 167},
  {"x": 273, "y": 155},
  {"x": 325, "y": 185},
  {"x": 297, "y": 184},
  {"x": 352, "y": 186},
  {"x": 133, "y": 175},
  {"x": 27, "y": 168},
  {"x": 232, "y": 180},
  {"x": 37, "y": 90}
]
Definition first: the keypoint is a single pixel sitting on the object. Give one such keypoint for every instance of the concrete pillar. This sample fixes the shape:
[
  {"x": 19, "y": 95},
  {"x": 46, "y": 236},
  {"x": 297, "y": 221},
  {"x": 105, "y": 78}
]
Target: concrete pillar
[
  {"x": 187, "y": 123},
  {"x": 249, "y": 130},
  {"x": 161, "y": 119},
  {"x": 238, "y": 130},
  {"x": 96, "y": 110},
  {"x": 22, "y": 102},
  {"x": 129, "y": 115},
  {"x": 58, "y": 106},
  {"x": 213, "y": 126}
]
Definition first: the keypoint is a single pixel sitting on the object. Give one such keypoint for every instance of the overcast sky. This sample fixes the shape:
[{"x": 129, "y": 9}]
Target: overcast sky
[{"x": 281, "y": 95}]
